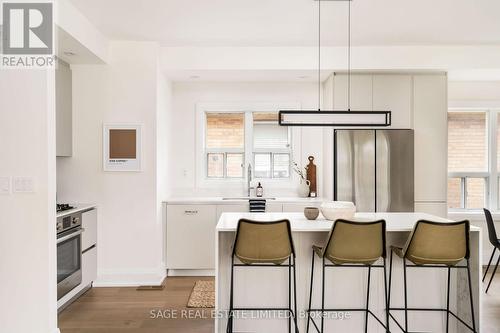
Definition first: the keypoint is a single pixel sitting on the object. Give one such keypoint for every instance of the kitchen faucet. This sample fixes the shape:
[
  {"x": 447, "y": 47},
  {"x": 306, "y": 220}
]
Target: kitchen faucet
[{"x": 249, "y": 179}]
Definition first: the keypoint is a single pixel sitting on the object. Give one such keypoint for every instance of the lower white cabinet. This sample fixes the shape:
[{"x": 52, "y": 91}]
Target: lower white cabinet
[
  {"x": 272, "y": 207},
  {"x": 298, "y": 207},
  {"x": 89, "y": 266},
  {"x": 89, "y": 224},
  {"x": 240, "y": 208},
  {"x": 433, "y": 208},
  {"x": 191, "y": 236}
]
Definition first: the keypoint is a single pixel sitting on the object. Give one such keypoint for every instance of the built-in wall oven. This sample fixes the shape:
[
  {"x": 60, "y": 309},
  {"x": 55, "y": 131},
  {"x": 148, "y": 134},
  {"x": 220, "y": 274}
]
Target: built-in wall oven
[{"x": 69, "y": 253}]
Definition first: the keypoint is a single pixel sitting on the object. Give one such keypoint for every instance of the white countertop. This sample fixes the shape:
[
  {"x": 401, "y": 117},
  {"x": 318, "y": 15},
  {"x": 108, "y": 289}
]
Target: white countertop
[
  {"x": 394, "y": 221},
  {"x": 231, "y": 200},
  {"x": 78, "y": 208}
]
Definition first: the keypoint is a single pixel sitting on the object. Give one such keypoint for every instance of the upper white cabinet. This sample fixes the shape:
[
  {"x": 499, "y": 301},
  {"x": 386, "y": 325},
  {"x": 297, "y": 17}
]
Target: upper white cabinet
[
  {"x": 361, "y": 92},
  {"x": 64, "y": 127},
  {"x": 431, "y": 137},
  {"x": 394, "y": 93},
  {"x": 417, "y": 101},
  {"x": 376, "y": 92}
]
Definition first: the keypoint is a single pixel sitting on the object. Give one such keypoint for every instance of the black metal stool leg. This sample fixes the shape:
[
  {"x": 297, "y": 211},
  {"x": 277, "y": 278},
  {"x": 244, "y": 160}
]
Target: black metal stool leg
[
  {"x": 310, "y": 293},
  {"x": 295, "y": 297},
  {"x": 448, "y": 302},
  {"x": 389, "y": 292},
  {"x": 289, "y": 294},
  {"x": 471, "y": 299},
  {"x": 229, "y": 328},
  {"x": 386, "y": 299},
  {"x": 489, "y": 263},
  {"x": 323, "y": 297},
  {"x": 367, "y": 299},
  {"x": 493, "y": 275},
  {"x": 406, "y": 295}
]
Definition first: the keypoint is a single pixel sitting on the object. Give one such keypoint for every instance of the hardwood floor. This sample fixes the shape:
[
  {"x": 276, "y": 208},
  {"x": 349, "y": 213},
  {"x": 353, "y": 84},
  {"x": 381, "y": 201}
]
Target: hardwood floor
[
  {"x": 491, "y": 305},
  {"x": 126, "y": 310}
]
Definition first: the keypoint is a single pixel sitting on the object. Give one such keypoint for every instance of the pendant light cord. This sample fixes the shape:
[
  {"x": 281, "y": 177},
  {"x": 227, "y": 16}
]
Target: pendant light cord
[
  {"x": 349, "y": 58},
  {"x": 319, "y": 55}
]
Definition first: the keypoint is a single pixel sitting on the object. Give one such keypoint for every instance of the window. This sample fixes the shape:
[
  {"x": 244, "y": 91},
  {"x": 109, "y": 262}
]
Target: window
[
  {"x": 234, "y": 139},
  {"x": 468, "y": 159},
  {"x": 225, "y": 145},
  {"x": 271, "y": 147}
]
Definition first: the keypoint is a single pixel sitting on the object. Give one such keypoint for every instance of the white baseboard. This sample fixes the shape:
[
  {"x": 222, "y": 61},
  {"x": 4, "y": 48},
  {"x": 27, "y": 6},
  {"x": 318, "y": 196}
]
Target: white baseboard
[
  {"x": 190, "y": 272},
  {"x": 56, "y": 331}
]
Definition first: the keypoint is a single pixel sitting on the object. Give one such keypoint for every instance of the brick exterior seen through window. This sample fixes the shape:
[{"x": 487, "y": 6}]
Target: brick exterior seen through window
[{"x": 467, "y": 152}]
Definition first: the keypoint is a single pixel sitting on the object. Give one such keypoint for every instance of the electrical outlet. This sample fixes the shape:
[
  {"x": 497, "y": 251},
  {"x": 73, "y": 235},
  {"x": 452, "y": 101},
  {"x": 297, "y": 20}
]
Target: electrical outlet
[
  {"x": 23, "y": 185},
  {"x": 5, "y": 185}
]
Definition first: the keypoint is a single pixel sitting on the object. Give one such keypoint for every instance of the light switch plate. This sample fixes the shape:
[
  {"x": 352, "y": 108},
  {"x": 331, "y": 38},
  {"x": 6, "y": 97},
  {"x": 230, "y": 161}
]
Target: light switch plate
[
  {"x": 23, "y": 185},
  {"x": 5, "y": 185}
]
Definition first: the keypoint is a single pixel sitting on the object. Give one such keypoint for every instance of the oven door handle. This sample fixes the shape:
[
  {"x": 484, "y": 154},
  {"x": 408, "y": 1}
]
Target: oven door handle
[{"x": 74, "y": 234}]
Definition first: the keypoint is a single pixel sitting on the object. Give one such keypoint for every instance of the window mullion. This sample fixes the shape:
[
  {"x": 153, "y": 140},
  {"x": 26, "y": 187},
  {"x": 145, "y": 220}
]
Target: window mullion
[
  {"x": 464, "y": 192},
  {"x": 492, "y": 201},
  {"x": 248, "y": 160}
]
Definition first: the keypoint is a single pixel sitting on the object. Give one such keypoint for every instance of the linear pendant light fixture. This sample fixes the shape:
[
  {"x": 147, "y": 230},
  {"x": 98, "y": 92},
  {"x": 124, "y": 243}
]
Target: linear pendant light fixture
[{"x": 341, "y": 118}]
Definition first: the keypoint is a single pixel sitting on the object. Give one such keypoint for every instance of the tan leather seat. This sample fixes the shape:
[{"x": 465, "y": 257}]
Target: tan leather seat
[
  {"x": 434, "y": 243},
  {"x": 352, "y": 242},
  {"x": 263, "y": 242}
]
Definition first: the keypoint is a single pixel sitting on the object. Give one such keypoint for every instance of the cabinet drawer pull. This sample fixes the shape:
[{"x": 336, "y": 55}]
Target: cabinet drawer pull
[{"x": 191, "y": 212}]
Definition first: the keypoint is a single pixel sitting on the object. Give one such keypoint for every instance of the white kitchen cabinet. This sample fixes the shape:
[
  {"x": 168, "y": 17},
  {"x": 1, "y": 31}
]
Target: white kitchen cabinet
[
  {"x": 298, "y": 207},
  {"x": 64, "y": 131},
  {"x": 431, "y": 137},
  {"x": 361, "y": 92},
  {"x": 89, "y": 266},
  {"x": 89, "y": 224},
  {"x": 191, "y": 236},
  {"x": 434, "y": 208},
  {"x": 394, "y": 93},
  {"x": 272, "y": 207},
  {"x": 239, "y": 208}
]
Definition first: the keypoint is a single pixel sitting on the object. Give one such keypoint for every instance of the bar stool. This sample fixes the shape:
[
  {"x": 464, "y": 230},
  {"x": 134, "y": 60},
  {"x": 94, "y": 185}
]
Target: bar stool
[
  {"x": 496, "y": 245},
  {"x": 434, "y": 245},
  {"x": 350, "y": 244},
  {"x": 264, "y": 244}
]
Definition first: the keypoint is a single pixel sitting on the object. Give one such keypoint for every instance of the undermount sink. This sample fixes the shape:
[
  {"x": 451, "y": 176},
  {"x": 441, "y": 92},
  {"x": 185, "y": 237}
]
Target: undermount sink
[{"x": 248, "y": 198}]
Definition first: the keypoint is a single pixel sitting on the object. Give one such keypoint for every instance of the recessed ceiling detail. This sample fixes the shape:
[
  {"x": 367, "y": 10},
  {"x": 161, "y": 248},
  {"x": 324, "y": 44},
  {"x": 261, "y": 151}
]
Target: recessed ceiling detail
[{"x": 292, "y": 23}]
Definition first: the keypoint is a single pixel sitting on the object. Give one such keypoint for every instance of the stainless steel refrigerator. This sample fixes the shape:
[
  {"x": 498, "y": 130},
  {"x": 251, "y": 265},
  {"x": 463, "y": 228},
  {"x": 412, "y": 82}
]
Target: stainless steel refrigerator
[{"x": 374, "y": 169}]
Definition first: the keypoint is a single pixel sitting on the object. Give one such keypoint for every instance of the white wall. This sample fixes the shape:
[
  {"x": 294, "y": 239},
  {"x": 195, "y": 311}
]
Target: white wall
[
  {"x": 81, "y": 29},
  {"x": 27, "y": 220},
  {"x": 474, "y": 93},
  {"x": 130, "y": 239},
  {"x": 163, "y": 115},
  {"x": 182, "y": 141}
]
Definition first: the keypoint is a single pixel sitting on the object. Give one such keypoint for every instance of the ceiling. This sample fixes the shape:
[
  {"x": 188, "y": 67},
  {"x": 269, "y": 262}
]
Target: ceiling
[
  {"x": 294, "y": 22},
  {"x": 72, "y": 51}
]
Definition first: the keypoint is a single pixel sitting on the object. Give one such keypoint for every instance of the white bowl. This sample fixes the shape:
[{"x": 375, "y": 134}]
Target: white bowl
[{"x": 334, "y": 210}]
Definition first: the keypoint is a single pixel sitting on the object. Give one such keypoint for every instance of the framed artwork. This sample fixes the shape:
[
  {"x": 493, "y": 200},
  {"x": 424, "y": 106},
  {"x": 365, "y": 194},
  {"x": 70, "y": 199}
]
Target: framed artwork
[{"x": 122, "y": 147}]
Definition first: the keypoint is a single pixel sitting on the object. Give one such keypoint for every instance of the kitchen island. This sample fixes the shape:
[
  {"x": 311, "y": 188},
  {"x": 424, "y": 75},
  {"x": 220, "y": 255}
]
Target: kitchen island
[{"x": 345, "y": 287}]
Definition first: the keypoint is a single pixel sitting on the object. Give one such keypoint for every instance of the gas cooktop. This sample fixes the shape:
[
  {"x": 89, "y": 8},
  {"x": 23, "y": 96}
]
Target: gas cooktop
[{"x": 63, "y": 207}]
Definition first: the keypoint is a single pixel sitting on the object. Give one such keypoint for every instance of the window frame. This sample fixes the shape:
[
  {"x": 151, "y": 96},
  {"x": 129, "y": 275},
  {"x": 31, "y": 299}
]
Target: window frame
[
  {"x": 491, "y": 196},
  {"x": 203, "y": 181}
]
